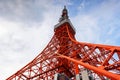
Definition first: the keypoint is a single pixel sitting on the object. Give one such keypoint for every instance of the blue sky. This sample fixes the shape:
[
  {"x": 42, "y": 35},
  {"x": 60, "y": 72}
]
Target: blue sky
[{"x": 26, "y": 26}]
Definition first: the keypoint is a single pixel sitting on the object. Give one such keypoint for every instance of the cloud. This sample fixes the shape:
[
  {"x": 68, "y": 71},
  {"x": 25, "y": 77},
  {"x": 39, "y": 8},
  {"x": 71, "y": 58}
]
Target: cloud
[
  {"x": 63, "y": 2},
  {"x": 20, "y": 44},
  {"x": 99, "y": 24},
  {"x": 82, "y": 5},
  {"x": 24, "y": 10},
  {"x": 85, "y": 26},
  {"x": 24, "y": 32}
]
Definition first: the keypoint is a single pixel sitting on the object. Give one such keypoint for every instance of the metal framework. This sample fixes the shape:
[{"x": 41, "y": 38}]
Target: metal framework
[{"x": 64, "y": 54}]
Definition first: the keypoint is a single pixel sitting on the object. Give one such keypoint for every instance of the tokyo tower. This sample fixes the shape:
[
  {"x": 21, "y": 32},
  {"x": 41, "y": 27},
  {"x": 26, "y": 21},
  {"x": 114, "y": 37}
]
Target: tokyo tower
[{"x": 65, "y": 58}]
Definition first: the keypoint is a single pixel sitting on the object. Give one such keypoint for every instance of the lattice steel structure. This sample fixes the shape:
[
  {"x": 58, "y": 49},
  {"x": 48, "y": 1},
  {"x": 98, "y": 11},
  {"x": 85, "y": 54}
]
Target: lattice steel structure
[{"x": 65, "y": 55}]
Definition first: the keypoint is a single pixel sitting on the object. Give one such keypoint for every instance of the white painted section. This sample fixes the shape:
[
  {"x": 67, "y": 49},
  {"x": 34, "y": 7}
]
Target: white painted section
[
  {"x": 84, "y": 74},
  {"x": 56, "y": 76},
  {"x": 64, "y": 21},
  {"x": 77, "y": 77}
]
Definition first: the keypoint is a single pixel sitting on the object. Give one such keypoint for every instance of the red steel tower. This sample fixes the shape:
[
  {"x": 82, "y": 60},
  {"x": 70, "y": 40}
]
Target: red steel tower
[{"x": 65, "y": 56}]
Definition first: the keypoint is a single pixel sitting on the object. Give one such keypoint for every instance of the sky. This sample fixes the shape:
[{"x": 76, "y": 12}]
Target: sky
[{"x": 26, "y": 27}]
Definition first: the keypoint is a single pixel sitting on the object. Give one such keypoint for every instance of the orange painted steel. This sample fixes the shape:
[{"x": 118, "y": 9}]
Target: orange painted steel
[
  {"x": 64, "y": 54},
  {"x": 95, "y": 69}
]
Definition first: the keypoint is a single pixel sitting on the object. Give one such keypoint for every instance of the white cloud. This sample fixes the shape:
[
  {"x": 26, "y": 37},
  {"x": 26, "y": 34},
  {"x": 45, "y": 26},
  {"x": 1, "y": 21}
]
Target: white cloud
[
  {"x": 82, "y": 5},
  {"x": 64, "y": 2},
  {"x": 98, "y": 24},
  {"x": 24, "y": 10},
  {"x": 87, "y": 28},
  {"x": 21, "y": 42}
]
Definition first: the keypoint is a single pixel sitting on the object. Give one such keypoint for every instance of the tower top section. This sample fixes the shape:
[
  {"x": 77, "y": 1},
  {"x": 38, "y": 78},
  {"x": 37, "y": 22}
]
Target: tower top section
[
  {"x": 64, "y": 19},
  {"x": 64, "y": 14}
]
